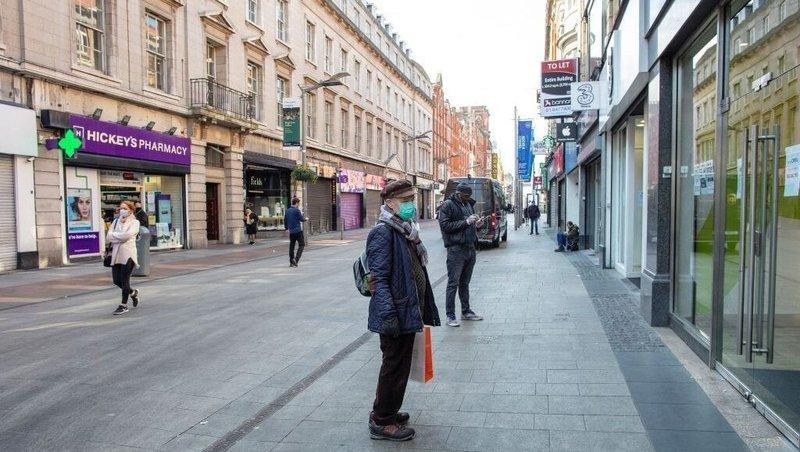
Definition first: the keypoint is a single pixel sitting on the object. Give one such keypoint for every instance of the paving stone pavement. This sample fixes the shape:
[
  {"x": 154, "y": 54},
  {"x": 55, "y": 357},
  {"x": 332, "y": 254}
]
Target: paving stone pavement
[{"x": 539, "y": 373}]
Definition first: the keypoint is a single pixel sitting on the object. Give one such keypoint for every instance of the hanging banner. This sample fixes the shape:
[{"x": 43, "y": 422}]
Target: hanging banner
[
  {"x": 495, "y": 166},
  {"x": 557, "y": 78},
  {"x": 566, "y": 131},
  {"x": 291, "y": 123},
  {"x": 524, "y": 156}
]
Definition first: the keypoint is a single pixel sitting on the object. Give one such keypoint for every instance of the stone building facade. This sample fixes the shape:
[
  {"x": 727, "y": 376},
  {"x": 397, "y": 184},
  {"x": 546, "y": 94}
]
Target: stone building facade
[{"x": 205, "y": 79}]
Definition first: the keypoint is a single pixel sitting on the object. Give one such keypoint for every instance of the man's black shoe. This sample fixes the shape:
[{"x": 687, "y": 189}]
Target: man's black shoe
[
  {"x": 402, "y": 418},
  {"x": 393, "y": 432}
]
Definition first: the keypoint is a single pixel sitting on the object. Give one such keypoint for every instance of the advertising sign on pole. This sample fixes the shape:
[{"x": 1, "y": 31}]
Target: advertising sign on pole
[
  {"x": 587, "y": 95},
  {"x": 557, "y": 78},
  {"x": 524, "y": 156},
  {"x": 495, "y": 166},
  {"x": 291, "y": 123}
]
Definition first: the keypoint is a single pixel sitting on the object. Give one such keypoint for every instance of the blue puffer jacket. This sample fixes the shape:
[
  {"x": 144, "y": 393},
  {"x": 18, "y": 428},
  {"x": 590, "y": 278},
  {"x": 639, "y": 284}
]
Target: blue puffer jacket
[{"x": 395, "y": 305}]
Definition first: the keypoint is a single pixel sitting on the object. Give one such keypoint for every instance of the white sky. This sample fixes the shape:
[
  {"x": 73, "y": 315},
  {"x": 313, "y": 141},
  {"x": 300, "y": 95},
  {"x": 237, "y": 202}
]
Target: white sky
[{"x": 488, "y": 53}]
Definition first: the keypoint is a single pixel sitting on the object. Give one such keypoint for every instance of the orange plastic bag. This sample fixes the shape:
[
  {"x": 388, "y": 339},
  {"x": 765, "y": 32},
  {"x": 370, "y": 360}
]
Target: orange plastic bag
[{"x": 422, "y": 359}]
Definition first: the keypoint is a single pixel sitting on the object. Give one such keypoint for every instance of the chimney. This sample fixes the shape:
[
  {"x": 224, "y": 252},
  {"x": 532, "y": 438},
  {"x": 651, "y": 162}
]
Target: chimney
[{"x": 371, "y": 8}]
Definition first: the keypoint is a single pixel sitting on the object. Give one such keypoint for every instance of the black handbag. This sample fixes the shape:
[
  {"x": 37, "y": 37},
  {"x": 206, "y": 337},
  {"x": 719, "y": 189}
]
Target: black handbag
[{"x": 107, "y": 257}]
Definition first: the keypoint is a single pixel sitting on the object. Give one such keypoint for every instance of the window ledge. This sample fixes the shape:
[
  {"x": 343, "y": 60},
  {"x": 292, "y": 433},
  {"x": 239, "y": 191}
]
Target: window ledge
[
  {"x": 252, "y": 24},
  {"x": 95, "y": 73},
  {"x": 283, "y": 43},
  {"x": 154, "y": 92},
  {"x": 311, "y": 62}
]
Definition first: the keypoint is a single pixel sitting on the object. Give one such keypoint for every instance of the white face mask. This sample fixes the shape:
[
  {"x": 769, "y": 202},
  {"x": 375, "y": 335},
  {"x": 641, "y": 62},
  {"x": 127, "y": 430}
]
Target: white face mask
[{"x": 124, "y": 212}]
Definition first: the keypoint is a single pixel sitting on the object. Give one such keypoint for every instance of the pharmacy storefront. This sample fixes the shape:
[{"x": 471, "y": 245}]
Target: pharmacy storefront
[{"x": 106, "y": 163}]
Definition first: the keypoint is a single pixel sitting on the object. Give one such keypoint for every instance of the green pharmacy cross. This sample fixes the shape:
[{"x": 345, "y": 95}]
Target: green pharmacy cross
[{"x": 70, "y": 143}]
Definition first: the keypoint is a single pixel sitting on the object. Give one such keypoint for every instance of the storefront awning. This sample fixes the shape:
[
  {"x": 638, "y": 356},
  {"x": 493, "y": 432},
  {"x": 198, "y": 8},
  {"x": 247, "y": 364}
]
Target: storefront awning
[{"x": 257, "y": 158}]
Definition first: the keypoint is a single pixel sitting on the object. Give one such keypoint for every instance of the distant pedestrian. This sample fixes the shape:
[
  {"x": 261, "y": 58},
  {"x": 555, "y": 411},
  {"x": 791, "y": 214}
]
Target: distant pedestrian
[
  {"x": 141, "y": 215},
  {"x": 293, "y": 222},
  {"x": 251, "y": 225},
  {"x": 458, "y": 223},
  {"x": 122, "y": 237},
  {"x": 534, "y": 213},
  {"x": 402, "y": 302}
]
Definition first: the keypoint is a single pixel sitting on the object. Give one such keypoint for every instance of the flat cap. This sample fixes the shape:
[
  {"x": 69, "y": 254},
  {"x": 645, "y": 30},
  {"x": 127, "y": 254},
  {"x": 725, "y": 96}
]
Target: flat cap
[{"x": 398, "y": 189}]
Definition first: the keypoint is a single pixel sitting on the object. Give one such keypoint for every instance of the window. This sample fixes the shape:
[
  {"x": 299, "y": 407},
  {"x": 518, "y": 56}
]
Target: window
[
  {"x": 378, "y": 92},
  {"x": 280, "y": 87},
  {"x": 388, "y": 97},
  {"x": 357, "y": 18},
  {"x": 281, "y": 17},
  {"x": 215, "y": 156},
  {"x": 328, "y": 122},
  {"x": 254, "y": 87},
  {"x": 252, "y": 11},
  {"x": 357, "y": 74},
  {"x": 781, "y": 12},
  {"x": 781, "y": 65},
  {"x": 396, "y": 105},
  {"x": 211, "y": 61},
  {"x": 311, "y": 42},
  {"x": 403, "y": 112},
  {"x": 379, "y": 147},
  {"x": 310, "y": 108},
  {"x": 156, "y": 47},
  {"x": 90, "y": 33},
  {"x": 370, "y": 131},
  {"x": 368, "y": 85},
  {"x": 345, "y": 128},
  {"x": 328, "y": 55},
  {"x": 343, "y": 61},
  {"x": 358, "y": 133},
  {"x": 765, "y": 24}
]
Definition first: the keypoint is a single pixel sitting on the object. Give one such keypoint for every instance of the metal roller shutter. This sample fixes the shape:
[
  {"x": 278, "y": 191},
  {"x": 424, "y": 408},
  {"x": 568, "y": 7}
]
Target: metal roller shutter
[
  {"x": 373, "y": 203},
  {"x": 351, "y": 210},
  {"x": 320, "y": 202},
  {"x": 8, "y": 220}
]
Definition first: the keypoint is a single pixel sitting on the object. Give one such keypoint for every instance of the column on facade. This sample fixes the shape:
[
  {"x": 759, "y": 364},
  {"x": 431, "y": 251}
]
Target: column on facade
[
  {"x": 234, "y": 191},
  {"x": 196, "y": 188},
  {"x": 49, "y": 208}
]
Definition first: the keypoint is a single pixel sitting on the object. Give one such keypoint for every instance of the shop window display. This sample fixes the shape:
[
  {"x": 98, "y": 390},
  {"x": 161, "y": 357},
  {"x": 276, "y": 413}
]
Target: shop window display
[{"x": 268, "y": 196}]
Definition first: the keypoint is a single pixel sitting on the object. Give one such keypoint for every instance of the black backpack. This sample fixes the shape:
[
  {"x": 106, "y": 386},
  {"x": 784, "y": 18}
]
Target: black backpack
[{"x": 362, "y": 276}]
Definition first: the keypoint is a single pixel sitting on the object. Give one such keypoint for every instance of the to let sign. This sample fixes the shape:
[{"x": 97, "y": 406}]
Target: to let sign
[{"x": 557, "y": 78}]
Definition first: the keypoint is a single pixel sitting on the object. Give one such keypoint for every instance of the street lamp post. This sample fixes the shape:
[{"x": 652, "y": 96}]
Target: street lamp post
[{"x": 335, "y": 80}]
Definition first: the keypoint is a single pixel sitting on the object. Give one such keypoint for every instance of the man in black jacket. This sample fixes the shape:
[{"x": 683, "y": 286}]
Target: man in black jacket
[
  {"x": 459, "y": 223},
  {"x": 534, "y": 213}
]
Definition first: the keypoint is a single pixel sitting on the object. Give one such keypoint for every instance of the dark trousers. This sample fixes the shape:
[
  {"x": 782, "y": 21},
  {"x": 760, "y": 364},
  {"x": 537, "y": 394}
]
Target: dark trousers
[
  {"x": 121, "y": 274},
  {"x": 296, "y": 238},
  {"x": 460, "y": 262},
  {"x": 535, "y": 224},
  {"x": 393, "y": 377}
]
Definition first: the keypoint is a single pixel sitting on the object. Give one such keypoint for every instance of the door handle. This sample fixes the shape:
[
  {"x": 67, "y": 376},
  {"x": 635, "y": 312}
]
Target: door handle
[
  {"x": 773, "y": 255},
  {"x": 742, "y": 244},
  {"x": 748, "y": 356}
]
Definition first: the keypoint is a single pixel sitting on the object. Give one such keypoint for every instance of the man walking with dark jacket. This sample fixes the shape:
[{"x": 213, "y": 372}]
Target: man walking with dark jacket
[
  {"x": 293, "y": 222},
  {"x": 402, "y": 301},
  {"x": 459, "y": 223},
  {"x": 534, "y": 213}
]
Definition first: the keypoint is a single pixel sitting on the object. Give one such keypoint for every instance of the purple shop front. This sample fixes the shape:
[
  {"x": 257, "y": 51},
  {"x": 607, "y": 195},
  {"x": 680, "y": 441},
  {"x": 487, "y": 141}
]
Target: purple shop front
[{"x": 116, "y": 140}]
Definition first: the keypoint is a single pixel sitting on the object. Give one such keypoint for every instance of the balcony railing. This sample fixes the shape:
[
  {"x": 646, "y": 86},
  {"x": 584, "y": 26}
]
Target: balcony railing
[{"x": 207, "y": 93}]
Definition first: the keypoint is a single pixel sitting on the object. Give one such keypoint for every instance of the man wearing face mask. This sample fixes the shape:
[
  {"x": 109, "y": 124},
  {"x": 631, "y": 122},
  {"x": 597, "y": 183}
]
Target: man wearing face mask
[
  {"x": 402, "y": 301},
  {"x": 459, "y": 223}
]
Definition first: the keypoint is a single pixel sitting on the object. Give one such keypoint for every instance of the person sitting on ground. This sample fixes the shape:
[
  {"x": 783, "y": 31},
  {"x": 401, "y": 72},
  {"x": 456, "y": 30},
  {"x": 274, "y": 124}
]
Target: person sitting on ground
[{"x": 566, "y": 240}]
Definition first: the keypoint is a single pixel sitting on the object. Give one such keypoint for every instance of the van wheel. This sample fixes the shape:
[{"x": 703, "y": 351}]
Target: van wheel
[{"x": 496, "y": 243}]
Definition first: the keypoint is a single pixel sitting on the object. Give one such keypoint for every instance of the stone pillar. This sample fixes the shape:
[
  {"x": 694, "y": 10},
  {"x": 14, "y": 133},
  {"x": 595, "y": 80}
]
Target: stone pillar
[
  {"x": 655, "y": 288},
  {"x": 233, "y": 207},
  {"x": 196, "y": 186},
  {"x": 49, "y": 208}
]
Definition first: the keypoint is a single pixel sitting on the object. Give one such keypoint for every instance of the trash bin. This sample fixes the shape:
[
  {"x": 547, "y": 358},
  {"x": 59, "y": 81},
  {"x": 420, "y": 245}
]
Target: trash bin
[{"x": 143, "y": 252}]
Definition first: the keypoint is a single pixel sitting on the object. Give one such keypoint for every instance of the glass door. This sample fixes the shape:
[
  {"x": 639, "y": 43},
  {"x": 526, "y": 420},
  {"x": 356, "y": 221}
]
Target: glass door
[{"x": 761, "y": 314}]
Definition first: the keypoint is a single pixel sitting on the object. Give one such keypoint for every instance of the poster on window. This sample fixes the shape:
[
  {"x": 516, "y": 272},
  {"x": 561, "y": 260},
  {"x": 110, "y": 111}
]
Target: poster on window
[
  {"x": 791, "y": 185},
  {"x": 79, "y": 209}
]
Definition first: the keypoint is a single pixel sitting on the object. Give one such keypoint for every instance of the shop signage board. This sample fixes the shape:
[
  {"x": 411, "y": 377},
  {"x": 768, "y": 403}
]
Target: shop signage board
[
  {"x": 292, "y": 138},
  {"x": 116, "y": 140},
  {"x": 587, "y": 95},
  {"x": 557, "y": 79},
  {"x": 18, "y": 129},
  {"x": 495, "y": 166},
  {"x": 373, "y": 182},
  {"x": 557, "y": 164},
  {"x": 524, "y": 155},
  {"x": 352, "y": 181},
  {"x": 566, "y": 131}
]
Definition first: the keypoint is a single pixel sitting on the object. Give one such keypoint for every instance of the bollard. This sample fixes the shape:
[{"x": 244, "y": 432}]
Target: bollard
[{"x": 143, "y": 253}]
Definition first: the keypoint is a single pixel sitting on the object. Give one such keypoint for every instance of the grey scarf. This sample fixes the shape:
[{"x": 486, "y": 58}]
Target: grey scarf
[{"x": 409, "y": 231}]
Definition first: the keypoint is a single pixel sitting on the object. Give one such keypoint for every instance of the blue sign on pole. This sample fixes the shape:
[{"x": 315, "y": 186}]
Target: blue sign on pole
[{"x": 524, "y": 155}]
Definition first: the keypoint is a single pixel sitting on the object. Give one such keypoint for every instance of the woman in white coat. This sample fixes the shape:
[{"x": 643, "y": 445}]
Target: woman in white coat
[{"x": 122, "y": 237}]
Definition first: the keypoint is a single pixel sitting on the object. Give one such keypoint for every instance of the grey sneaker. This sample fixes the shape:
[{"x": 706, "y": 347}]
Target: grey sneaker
[
  {"x": 469, "y": 315},
  {"x": 451, "y": 321}
]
